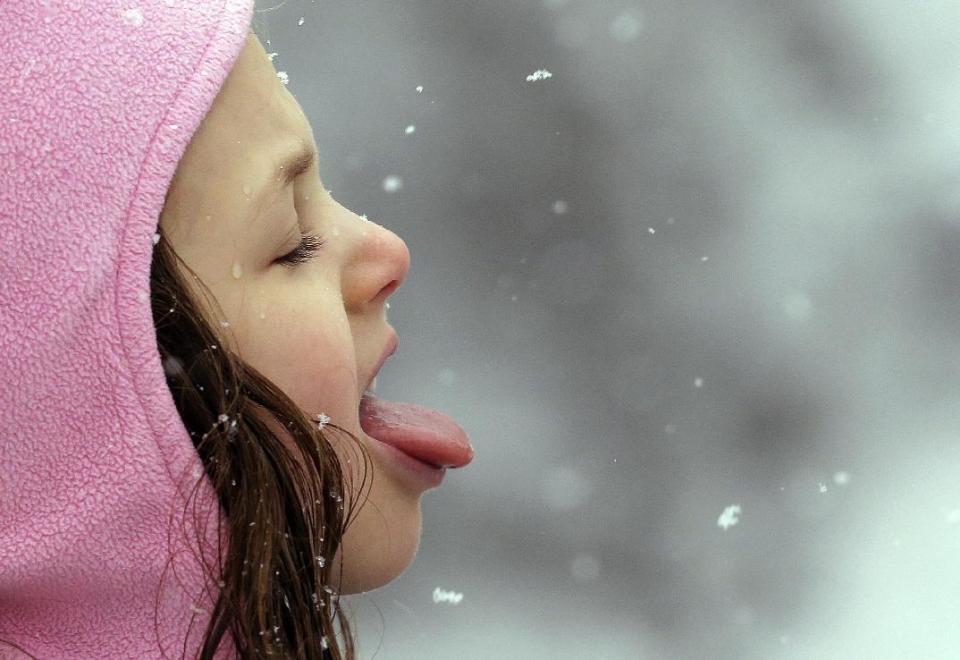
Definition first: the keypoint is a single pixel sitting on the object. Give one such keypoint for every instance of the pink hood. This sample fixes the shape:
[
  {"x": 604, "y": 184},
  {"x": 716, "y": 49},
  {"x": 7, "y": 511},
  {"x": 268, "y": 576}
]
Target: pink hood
[{"x": 99, "y": 102}]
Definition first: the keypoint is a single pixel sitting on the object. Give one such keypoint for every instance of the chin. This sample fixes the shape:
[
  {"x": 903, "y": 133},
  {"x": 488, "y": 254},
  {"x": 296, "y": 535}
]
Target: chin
[{"x": 375, "y": 555}]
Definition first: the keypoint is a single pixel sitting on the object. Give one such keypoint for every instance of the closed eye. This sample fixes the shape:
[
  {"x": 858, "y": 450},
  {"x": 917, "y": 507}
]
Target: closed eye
[{"x": 307, "y": 249}]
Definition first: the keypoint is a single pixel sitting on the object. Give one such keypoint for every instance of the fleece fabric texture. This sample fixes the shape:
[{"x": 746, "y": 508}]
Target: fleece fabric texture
[{"x": 100, "y": 99}]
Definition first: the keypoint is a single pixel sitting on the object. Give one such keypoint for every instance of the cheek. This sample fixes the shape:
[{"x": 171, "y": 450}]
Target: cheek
[{"x": 307, "y": 351}]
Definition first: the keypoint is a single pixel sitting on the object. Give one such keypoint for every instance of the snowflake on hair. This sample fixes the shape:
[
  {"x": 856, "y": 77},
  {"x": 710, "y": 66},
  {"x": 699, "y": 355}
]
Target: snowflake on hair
[{"x": 322, "y": 420}]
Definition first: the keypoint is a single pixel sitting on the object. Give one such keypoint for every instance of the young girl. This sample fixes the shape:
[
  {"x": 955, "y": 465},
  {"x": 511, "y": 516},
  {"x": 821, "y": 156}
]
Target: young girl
[{"x": 191, "y": 466}]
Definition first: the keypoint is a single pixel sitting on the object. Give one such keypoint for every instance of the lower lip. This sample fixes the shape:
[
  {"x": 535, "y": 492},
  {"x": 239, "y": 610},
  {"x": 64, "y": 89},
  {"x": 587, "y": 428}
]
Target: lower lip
[{"x": 422, "y": 474}]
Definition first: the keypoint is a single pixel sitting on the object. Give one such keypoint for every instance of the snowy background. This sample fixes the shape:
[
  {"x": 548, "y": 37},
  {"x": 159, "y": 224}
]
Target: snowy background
[{"x": 711, "y": 261}]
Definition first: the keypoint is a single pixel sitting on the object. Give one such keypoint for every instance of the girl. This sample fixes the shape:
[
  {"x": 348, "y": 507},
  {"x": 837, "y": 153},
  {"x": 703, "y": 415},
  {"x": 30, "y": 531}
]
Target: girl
[{"x": 190, "y": 327}]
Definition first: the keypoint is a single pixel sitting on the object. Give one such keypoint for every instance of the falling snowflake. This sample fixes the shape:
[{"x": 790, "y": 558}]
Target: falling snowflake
[
  {"x": 156, "y": 238},
  {"x": 698, "y": 382},
  {"x": 539, "y": 74},
  {"x": 300, "y": 22},
  {"x": 409, "y": 129},
  {"x": 626, "y": 27},
  {"x": 823, "y": 487},
  {"x": 729, "y": 516},
  {"x": 559, "y": 207},
  {"x": 392, "y": 183},
  {"x": 442, "y": 595},
  {"x": 419, "y": 89},
  {"x": 841, "y": 478}
]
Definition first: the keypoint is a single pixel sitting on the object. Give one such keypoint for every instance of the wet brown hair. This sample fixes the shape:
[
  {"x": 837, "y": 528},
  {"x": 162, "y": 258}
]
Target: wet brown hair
[{"x": 283, "y": 494}]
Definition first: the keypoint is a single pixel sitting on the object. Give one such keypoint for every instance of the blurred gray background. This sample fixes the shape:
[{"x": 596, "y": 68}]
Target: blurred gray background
[{"x": 712, "y": 261}]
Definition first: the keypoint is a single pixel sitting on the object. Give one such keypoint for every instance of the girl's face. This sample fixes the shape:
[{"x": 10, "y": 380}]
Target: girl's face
[{"x": 317, "y": 328}]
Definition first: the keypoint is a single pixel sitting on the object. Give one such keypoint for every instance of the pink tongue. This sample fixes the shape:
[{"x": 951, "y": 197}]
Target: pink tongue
[{"x": 425, "y": 434}]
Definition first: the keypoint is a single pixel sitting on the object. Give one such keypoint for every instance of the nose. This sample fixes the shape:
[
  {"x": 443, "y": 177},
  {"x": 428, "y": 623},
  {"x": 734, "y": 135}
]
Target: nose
[{"x": 377, "y": 265}]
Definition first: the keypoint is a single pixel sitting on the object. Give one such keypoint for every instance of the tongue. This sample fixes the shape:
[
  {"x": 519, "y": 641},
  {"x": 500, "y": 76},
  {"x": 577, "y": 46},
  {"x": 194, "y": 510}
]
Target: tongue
[{"x": 425, "y": 434}]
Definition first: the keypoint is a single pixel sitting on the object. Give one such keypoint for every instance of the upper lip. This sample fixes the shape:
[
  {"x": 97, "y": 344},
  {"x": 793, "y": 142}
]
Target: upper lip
[{"x": 388, "y": 350}]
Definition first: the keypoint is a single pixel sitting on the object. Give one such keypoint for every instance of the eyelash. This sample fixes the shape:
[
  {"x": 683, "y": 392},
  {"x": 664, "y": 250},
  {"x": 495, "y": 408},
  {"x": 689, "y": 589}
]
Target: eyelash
[{"x": 309, "y": 246}]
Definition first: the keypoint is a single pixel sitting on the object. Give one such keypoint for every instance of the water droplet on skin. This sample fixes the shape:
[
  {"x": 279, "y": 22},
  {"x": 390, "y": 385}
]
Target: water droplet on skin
[
  {"x": 262, "y": 315},
  {"x": 246, "y": 191},
  {"x": 237, "y": 270}
]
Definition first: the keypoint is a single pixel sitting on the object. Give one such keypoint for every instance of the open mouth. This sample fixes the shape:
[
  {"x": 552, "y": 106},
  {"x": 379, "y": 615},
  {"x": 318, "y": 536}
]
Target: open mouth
[{"x": 422, "y": 433}]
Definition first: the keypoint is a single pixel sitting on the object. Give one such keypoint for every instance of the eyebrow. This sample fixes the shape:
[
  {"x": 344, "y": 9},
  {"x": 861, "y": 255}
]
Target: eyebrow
[
  {"x": 289, "y": 168},
  {"x": 295, "y": 164}
]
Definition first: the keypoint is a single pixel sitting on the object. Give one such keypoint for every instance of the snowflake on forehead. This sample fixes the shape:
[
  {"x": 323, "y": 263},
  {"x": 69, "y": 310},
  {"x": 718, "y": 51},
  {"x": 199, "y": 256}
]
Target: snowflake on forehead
[{"x": 322, "y": 420}]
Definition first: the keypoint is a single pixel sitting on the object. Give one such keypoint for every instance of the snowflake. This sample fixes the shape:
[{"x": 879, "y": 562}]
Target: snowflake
[
  {"x": 539, "y": 74},
  {"x": 729, "y": 516},
  {"x": 322, "y": 420},
  {"x": 441, "y": 595}
]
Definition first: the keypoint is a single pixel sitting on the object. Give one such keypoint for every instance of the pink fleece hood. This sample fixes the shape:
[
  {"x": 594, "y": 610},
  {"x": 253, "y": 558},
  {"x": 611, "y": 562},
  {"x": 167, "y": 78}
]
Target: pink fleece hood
[{"x": 98, "y": 558}]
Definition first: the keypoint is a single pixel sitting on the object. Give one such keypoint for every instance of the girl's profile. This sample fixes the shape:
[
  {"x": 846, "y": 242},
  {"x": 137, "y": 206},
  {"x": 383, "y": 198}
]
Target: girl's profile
[{"x": 195, "y": 462}]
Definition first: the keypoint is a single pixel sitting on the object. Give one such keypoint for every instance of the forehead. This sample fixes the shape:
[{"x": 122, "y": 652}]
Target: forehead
[
  {"x": 253, "y": 118},
  {"x": 254, "y": 112}
]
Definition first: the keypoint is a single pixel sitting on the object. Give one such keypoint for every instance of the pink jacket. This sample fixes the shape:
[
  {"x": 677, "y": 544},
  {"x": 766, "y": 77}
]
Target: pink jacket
[{"x": 99, "y": 102}]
